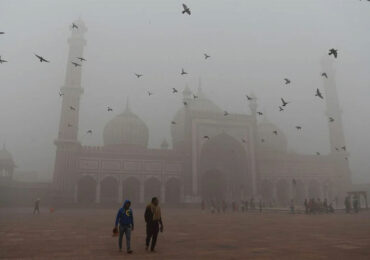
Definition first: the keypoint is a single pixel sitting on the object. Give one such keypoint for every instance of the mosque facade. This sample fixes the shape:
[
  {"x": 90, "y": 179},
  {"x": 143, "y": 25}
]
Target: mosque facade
[{"x": 212, "y": 156}]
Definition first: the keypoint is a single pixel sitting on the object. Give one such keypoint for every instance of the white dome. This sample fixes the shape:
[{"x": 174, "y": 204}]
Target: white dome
[{"x": 126, "y": 129}]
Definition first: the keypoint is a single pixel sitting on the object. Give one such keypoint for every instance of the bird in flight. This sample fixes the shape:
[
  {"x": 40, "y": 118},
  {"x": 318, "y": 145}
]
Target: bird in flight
[
  {"x": 206, "y": 56},
  {"x": 42, "y": 59},
  {"x": 333, "y": 52},
  {"x": 185, "y": 103},
  {"x": 1, "y": 60},
  {"x": 61, "y": 94},
  {"x": 226, "y": 113},
  {"x": 206, "y": 137},
  {"x": 2, "y": 32},
  {"x": 138, "y": 75},
  {"x": 110, "y": 109},
  {"x": 195, "y": 96},
  {"x": 318, "y": 94},
  {"x": 74, "y": 26},
  {"x": 81, "y": 59},
  {"x": 298, "y": 127},
  {"x": 287, "y": 81},
  {"x": 336, "y": 148},
  {"x": 89, "y": 131},
  {"x": 69, "y": 125},
  {"x": 149, "y": 93},
  {"x": 260, "y": 113},
  {"x": 173, "y": 122},
  {"x": 183, "y": 72},
  {"x": 275, "y": 132},
  {"x": 281, "y": 109},
  {"x": 72, "y": 108},
  {"x": 174, "y": 90},
  {"x": 324, "y": 75},
  {"x": 331, "y": 119},
  {"x": 317, "y": 153},
  {"x": 262, "y": 140},
  {"x": 186, "y": 9},
  {"x": 343, "y": 148},
  {"x": 248, "y": 97},
  {"x": 76, "y": 64},
  {"x": 284, "y": 102}
]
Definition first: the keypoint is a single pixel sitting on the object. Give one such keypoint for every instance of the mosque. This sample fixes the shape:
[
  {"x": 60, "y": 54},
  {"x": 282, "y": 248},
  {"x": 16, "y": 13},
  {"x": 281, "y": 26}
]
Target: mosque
[{"x": 212, "y": 156}]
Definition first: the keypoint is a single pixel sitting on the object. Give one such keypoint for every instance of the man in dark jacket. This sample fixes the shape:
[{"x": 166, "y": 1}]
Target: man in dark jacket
[
  {"x": 125, "y": 219},
  {"x": 154, "y": 223}
]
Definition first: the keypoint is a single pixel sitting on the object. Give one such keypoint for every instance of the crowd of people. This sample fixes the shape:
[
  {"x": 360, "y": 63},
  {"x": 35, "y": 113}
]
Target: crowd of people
[
  {"x": 217, "y": 206},
  {"x": 316, "y": 206}
]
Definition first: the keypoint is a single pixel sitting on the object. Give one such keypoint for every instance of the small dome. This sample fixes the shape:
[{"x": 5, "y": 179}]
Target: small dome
[
  {"x": 126, "y": 129},
  {"x": 272, "y": 142}
]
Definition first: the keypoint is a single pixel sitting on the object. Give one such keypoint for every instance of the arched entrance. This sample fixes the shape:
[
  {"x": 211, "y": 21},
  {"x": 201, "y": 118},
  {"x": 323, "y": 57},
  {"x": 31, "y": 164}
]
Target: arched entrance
[
  {"x": 109, "y": 191},
  {"x": 173, "y": 189},
  {"x": 152, "y": 188},
  {"x": 223, "y": 168},
  {"x": 86, "y": 190},
  {"x": 213, "y": 185},
  {"x": 131, "y": 190},
  {"x": 300, "y": 192},
  {"x": 282, "y": 192},
  {"x": 266, "y": 190},
  {"x": 314, "y": 189}
]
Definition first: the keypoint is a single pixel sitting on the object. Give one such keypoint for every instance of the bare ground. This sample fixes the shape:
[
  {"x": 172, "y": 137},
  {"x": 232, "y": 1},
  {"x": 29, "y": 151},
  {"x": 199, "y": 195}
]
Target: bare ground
[{"x": 189, "y": 234}]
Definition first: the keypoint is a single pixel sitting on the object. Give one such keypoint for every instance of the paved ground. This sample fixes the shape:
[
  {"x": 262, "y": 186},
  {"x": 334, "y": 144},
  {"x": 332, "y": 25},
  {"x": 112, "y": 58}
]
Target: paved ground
[{"x": 189, "y": 234}]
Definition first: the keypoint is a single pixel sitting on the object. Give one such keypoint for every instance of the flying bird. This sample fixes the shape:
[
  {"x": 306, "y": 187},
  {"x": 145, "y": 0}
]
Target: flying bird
[
  {"x": 72, "y": 108},
  {"x": 76, "y": 64},
  {"x": 318, "y": 94},
  {"x": 275, "y": 132},
  {"x": 186, "y": 9},
  {"x": 69, "y": 125},
  {"x": 61, "y": 94},
  {"x": 173, "y": 122},
  {"x": 89, "y": 132},
  {"x": 195, "y": 96},
  {"x": 248, "y": 97},
  {"x": 138, "y": 75},
  {"x": 183, "y": 72},
  {"x": 287, "y": 81},
  {"x": 333, "y": 52},
  {"x": 336, "y": 148},
  {"x": 298, "y": 127},
  {"x": 260, "y": 113},
  {"x": 2, "y": 32},
  {"x": 174, "y": 90},
  {"x": 1, "y": 60},
  {"x": 226, "y": 113},
  {"x": 42, "y": 59},
  {"x": 343, "y": 148},
  {"x": 110, "y": 109},
  {"x": 324, "y": 75},
  {"x": 284, "y": 102},
  {"x": 74, "y": 26},
  {"x": 149, "y": 93},
  {"x": 206, "y": 56},
  {"x": 243, "y": 140},
  {"x": 331, "y": 119},
  {"x": 262, "y": 140},
  {"x": 281, "y": 109},
  {"x": 185, "y": 103},
  {"x": 317, "y": 153},
  {"x": 206, "y": 137},
  {"x": 81, "y": 59}
]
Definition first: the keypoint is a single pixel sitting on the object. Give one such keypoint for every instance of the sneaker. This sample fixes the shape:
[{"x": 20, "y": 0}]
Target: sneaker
[{"x": 129, "y": 251}]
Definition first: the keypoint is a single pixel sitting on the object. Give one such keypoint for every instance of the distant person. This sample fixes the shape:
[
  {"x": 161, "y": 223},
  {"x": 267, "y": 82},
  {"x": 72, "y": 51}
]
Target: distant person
[
  {"x": 260, "y": 205},
  {"x": 154, "y": 223},
  {"x": 125, "y": 219},
  {"x": 37, "y": 207},
  {"x": 305, "y": 206},
  {"x": 292, "y": 207},
  {"x": 246, "y": 205},
  {"x": 355, "y": 203},
  {"x": 347, "y": 204},
  {"x": 224, "y": 206},
  {"x": 325, "y": 206}
]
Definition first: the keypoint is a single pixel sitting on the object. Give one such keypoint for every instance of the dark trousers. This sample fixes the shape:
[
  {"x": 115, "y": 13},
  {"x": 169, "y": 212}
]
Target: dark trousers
[
  {"x": 152, "y": 230},
  {"x": 125, "y": 229}
]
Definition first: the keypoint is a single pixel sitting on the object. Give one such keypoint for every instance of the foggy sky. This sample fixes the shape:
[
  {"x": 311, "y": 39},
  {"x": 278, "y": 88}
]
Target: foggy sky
[{"x": 254, "y": 45}]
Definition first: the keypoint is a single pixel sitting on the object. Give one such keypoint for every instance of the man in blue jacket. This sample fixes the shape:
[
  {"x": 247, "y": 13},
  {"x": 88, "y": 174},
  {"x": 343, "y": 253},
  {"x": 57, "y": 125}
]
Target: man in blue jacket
[{"x": 125, "y": 219}]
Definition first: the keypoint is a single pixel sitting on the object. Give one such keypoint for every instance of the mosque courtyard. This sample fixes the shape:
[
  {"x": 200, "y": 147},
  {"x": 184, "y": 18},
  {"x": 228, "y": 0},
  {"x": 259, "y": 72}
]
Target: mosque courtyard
[{"x": 188, "y": 234}]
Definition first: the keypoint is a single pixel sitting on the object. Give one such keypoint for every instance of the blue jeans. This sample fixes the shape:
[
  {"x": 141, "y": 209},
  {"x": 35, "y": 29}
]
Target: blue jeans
[{"x": 124, "y": 229}]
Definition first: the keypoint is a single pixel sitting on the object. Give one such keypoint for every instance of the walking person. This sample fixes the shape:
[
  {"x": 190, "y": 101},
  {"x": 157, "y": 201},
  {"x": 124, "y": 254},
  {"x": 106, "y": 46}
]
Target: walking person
[
  {"x": 37, "y": 207},
  {"x": 154, "y": 223},
  {"x": 125, "y": 219}
]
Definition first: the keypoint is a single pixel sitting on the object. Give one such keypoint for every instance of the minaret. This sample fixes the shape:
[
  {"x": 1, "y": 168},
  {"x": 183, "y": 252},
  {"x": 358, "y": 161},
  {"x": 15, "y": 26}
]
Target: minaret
[
  {"x": 333, "y": 109},
  {"x": 67, "y": 143}
]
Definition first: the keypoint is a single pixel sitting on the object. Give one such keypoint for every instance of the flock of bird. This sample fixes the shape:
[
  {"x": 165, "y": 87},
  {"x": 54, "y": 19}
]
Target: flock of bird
[{"x": 186, "y": 10}]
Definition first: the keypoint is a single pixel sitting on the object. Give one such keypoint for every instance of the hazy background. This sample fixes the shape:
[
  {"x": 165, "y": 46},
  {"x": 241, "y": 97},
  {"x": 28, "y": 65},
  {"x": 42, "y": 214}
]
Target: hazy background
[{"x": 254, "y": 45}]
